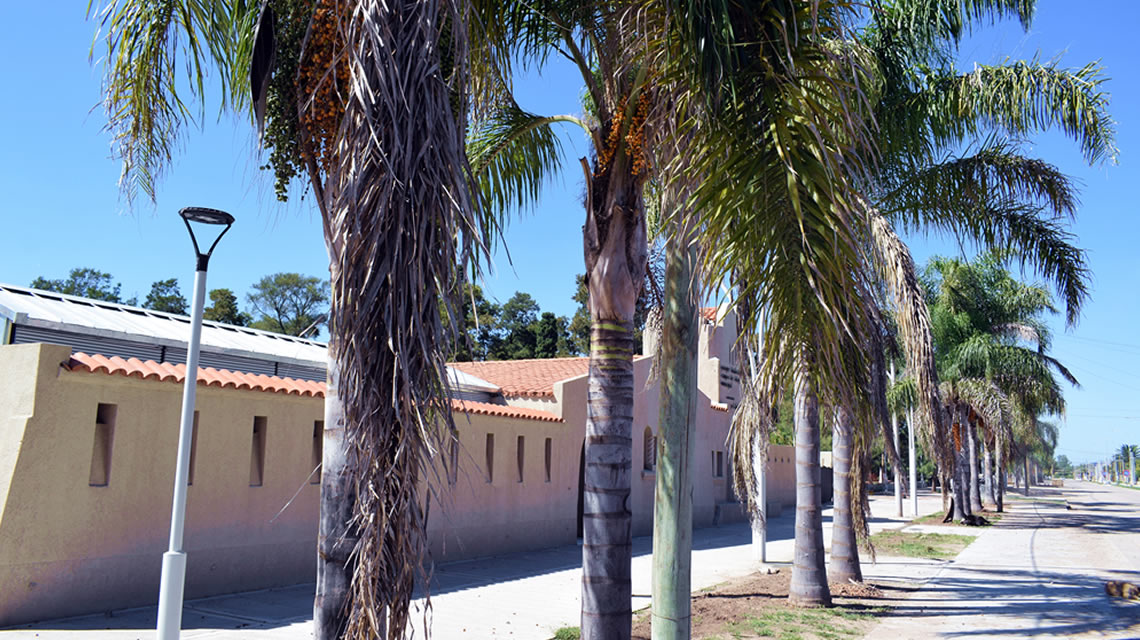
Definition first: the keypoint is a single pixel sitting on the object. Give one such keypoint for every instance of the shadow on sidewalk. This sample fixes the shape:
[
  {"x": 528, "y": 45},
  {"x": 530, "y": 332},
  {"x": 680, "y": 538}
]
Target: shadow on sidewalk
[{"x": 1062, "y": 604}]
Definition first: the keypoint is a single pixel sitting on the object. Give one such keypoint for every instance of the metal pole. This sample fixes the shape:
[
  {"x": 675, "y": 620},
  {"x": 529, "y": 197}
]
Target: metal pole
[
  {"x": 895, "y": 429},
  {"x": 911, "y": 428},
  {"x": 174, "y": 560},
  {"x": 760, "y": 528}
]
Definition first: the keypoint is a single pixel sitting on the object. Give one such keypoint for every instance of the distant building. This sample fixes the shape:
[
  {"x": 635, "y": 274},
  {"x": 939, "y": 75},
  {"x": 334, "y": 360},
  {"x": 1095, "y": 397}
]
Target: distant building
[{"x": 90, "y": 397}]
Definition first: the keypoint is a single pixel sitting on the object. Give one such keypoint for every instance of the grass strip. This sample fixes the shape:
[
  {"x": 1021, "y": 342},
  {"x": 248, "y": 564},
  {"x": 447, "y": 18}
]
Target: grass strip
[{"x": 934, "y": 546}]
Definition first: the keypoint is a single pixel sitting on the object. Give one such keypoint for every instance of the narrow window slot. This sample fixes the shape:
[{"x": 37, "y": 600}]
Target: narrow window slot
[
  {"x": 257, "y": 452},
  {"x": 520, "y": 450},
  {"x": 490, "y": 457},
  {"x": 318, "y": 451},
  {"x": 549, "y": 447},
  {"x": 100, "y": 473}
]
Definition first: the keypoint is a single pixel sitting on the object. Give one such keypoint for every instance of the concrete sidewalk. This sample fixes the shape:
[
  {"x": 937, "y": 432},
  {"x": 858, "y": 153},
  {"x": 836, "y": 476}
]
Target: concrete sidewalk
[
  {"x": 1039, "y": 572},
  {"x": 525, "y": 595}
]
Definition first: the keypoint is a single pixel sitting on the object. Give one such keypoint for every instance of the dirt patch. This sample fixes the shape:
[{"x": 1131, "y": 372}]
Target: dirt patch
[{"x": 756, "y": 606}]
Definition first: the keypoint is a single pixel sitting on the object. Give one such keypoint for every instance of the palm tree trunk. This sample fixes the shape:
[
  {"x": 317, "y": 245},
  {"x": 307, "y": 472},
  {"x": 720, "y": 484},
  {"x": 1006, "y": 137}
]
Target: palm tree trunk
[
  {"x": 336, "y": 538},
  {"x": 844, "y": 546},
  {"x": 988, "y": 475},
  {"x": 809, "y": 576},
  {"x": 1025, "y": 473},
  {"x": 961, "y": 476},
  {"x": 972, "y": 459},
  {"x": 616, "y": 253},
  {"x": 1000, "y": 463},
  {"x": 673, "y": 502}
]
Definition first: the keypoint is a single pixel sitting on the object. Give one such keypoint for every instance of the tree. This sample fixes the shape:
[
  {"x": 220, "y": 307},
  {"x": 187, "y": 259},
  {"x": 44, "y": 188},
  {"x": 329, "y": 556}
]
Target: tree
[
  {"x": 83, "y": 282},
  {"x": 400, "y": 225},
  {"x": 480, "y": 323},
  {"x": 551, "y": 336},
  {"x": 289, "y": 303},
  {"x": 165, "y": 296},
  {"x": 580, "y": 322},
  {"x": 224, "y": 308},
  {"x": 982, "y": 317},
  {"x": 518, "y": 321}
]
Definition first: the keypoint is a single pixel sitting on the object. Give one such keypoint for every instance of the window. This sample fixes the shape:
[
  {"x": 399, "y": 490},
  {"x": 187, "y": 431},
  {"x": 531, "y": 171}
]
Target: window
[
  {"x": 718, "y": 464},
  {"x": 100, "y": 474},
  {"x": 520, "y": 449},
  {"x": 453, "y": 460},
  {"x": 193, "y": 451},
  {"x": 318, "y": 451},
  {"x": 490, "y": 457},
  {"x": 650, "y": 450},
  {"x": 549, "y": 447},
  {"x": 257, "y": 452}
]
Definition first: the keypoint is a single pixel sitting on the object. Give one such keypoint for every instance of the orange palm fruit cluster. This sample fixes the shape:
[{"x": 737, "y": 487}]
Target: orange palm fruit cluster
[{"x": 323, "y": 81}]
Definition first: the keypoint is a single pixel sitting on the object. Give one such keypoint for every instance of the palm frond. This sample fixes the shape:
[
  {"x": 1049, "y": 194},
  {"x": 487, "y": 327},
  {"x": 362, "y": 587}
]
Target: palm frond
[
  {"x": 513, "y": 154},
  {"x": 404, "y": 228},
  {"x": 145, "y": 94},
  {"x": 1022, "y": 97}
]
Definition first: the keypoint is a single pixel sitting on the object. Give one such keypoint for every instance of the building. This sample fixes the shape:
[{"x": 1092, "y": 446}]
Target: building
[{"x": 90, "y": 396}]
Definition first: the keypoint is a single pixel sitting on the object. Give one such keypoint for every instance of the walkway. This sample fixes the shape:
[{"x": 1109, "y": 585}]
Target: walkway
[
  {"x": 525, "y": 596},
  {"x": 1040, "y": 572}
]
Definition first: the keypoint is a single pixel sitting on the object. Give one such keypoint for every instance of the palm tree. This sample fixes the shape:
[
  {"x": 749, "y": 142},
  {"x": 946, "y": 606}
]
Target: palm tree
[
  {"x": 368, "y": 101},
  {"x": 981, "y": 316},
  {"x": 927, "y": 110},
  {"x": 769, "y": 94}
]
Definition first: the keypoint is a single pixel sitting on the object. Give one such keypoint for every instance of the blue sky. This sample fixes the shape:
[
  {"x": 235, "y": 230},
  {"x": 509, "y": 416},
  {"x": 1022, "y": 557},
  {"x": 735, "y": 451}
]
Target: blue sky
[{"x": 62, "y": 209}]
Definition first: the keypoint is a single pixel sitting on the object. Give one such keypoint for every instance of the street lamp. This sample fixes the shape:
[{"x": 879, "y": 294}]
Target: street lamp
[{"x": 174, "y": 560}]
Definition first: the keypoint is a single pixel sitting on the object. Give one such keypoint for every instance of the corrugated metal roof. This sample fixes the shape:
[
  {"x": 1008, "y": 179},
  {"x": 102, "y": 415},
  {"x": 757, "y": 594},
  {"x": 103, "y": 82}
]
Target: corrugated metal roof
[
  {"x": 95, "y": 326},
  {"x": 47, "y": 310}
]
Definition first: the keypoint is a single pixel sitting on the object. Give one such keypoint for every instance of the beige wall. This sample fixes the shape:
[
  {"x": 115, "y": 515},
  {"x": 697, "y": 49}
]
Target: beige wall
[
  {"x": 72, "y": 548},
  {"x": 471, "y": 516}
]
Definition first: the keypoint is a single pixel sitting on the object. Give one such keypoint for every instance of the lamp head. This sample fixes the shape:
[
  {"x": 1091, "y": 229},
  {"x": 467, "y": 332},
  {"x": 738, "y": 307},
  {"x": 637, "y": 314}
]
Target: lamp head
[
  {"x": 206, "y": 216},
  {"x": 203, "y": 215}
]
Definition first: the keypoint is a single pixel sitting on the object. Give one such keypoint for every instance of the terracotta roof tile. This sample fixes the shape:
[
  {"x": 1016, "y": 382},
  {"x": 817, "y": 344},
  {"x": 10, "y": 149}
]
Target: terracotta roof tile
[
  {"x": 224, "y": 378},
  {"x": 526, "y": 378},
  {"x": 708, "y": 313},
  {"x": 207, "y": 376},
  {"x": 487, "y": 409}
]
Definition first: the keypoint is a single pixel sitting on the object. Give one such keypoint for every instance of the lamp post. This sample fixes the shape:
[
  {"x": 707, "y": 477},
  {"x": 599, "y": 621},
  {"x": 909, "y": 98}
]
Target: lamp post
[{"x": 174, "y": 560}]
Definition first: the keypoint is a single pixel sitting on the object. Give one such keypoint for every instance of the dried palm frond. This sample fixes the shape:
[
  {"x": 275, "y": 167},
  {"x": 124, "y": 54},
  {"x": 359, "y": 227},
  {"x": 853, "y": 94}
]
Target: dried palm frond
[
  {"x": 401, "y": 227},
  {"x": 896, "y": 268}
]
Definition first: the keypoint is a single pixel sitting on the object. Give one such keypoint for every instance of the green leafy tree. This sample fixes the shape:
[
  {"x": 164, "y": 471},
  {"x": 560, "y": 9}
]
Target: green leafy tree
[
  {"x": 551, "y": 336},
  {"x": 85, "y": 283},
  {"x": 517, "y": 324},
  {"x": 289, "y": 303},
  {"x": 480, "y": 324},
  {"x": 165, "y": 296},
  {"x": 580, "y": 322},
  {"x": 224, "y": 308}
]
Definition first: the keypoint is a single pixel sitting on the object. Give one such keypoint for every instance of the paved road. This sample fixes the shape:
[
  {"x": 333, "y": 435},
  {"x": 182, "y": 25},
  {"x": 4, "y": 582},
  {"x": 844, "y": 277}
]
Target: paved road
[
  {"x": 1039, "y": 573},
  {"x": 525, "y": 595}
]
